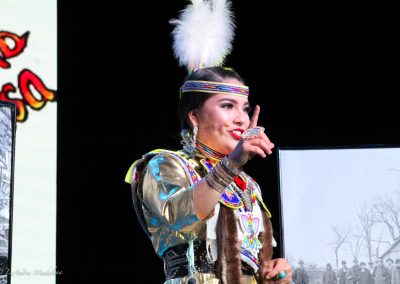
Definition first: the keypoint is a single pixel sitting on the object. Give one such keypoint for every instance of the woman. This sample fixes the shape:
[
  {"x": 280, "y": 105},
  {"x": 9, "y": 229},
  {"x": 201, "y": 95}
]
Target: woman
[{"x": 203, "y": 214}]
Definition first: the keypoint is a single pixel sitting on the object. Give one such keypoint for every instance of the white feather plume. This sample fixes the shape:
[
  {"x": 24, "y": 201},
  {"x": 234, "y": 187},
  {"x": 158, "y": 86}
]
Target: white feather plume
[{"x": 203, "y": 33}]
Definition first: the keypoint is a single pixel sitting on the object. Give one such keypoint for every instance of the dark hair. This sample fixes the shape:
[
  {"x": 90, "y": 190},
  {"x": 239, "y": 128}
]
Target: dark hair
[{"x": 193, "y": 100}]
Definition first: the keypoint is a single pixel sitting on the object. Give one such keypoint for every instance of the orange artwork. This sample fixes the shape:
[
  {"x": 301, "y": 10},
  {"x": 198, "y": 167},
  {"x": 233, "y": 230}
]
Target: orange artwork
[{"x": 33, "y": 91}]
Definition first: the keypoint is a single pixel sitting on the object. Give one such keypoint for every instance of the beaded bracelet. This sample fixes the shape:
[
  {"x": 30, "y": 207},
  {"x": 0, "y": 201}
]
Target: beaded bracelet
[
  {"x": 231, "y": 168},
  {"x": 214, "y": 184},
  {"x": 222, "y": 175}
]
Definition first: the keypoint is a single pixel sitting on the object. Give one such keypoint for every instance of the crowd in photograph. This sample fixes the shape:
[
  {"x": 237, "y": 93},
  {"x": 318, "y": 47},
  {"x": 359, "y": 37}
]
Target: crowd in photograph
[{"x": 380, "y": 272}]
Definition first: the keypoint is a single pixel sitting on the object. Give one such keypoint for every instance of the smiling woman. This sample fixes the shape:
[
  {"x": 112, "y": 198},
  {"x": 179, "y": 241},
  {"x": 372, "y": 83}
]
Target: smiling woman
[
  {"x": 203, "y": 214},
  {"x": 222, "y": 117}
]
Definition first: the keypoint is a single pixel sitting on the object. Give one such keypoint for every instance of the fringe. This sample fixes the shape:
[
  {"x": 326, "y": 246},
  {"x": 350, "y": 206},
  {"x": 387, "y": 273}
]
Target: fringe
[
  {"x": 265, "y": 254},
  {"x": 229, "y": 263}
]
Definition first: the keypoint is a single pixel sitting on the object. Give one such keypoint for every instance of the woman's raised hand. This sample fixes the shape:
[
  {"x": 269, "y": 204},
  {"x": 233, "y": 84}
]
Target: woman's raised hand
[{"x": 246, "y": 149}]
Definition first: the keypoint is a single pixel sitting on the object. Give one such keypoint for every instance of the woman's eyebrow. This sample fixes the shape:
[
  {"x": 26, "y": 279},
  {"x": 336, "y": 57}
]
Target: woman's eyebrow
[
  {"x": 228, "y": 99},
  {"x": 246, "y": 104},
  {"x": 232, "y": 101}
]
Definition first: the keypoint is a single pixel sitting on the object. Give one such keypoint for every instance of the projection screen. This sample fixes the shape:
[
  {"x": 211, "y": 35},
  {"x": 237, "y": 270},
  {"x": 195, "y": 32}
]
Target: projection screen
[{"x": 340, "y": 205}]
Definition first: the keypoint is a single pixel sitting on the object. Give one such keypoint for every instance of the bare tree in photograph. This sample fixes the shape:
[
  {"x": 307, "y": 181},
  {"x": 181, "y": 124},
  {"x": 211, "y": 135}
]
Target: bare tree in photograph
[
  {"x": 367, "y": 220},
  {"x": 340, "y": 237},
  {"x": 356, "y": 241},
  {"x": 388, "y": 213}
]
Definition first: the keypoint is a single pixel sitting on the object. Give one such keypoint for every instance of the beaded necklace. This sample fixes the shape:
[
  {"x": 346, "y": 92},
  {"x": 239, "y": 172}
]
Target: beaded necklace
[{"x": 209, "y": 152}]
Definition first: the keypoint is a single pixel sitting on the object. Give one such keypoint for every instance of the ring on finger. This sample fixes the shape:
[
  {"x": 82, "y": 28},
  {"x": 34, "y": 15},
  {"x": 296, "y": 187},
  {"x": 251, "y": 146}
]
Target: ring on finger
[
  {"x": 253, "y": 133},
  {"x": 281, "y": 275}
]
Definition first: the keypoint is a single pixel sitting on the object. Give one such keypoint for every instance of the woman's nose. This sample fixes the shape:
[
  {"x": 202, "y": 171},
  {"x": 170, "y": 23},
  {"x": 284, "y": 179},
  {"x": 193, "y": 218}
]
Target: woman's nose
[{"x": 240, "y": 118}]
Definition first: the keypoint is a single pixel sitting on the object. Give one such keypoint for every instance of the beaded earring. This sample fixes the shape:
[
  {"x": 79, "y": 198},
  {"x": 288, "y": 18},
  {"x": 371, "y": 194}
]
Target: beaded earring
[
  {"x": 194, "y": 137},
  {"x": 189, "y": 140}
]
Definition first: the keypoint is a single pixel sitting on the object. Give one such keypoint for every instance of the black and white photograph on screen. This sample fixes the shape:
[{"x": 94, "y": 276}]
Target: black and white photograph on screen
[
  {"x": 6, "y": 174},
  {"x": 341, "y": 214}
]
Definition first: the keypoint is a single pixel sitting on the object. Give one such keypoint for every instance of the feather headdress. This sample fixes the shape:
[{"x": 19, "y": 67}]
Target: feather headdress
[{"x": 203, "y": 34}]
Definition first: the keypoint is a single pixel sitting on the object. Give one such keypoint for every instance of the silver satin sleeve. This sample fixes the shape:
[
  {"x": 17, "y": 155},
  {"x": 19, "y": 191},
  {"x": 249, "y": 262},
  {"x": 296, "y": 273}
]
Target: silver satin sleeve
[{"x": 168, "y": 204}]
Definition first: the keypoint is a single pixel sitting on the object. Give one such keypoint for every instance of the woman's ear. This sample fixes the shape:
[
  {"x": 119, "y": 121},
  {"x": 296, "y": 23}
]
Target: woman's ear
[{"x": 192, "y": 117}]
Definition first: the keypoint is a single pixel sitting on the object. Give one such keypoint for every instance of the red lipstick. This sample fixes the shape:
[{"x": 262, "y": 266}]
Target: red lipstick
[{"x": 236, "y": 133}]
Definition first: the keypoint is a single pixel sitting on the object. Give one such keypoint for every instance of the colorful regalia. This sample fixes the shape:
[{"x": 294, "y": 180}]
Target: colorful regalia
[{"x": 162, "y": 187}]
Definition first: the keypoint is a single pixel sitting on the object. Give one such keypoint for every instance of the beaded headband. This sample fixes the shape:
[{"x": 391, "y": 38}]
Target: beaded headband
[{"x": 215, "y": 87}]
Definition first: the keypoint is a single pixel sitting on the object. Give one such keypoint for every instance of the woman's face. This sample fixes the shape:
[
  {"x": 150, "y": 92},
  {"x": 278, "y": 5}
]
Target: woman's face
[{"x": 222, "y": 120}]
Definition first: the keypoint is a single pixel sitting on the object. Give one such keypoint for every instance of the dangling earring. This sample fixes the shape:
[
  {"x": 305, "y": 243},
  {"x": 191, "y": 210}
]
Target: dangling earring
[
  {"x": 192, "y": 141},
  {"x": 194, "y": 137},
  {"x": 189, "y": 140}
]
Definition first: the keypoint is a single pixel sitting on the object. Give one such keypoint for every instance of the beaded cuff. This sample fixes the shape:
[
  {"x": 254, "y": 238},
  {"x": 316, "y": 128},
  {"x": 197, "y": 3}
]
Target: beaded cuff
[{"x": 222, "y": 175}]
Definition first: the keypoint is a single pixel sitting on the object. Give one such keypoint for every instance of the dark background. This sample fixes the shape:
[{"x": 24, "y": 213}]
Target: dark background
[{"x": 324, "y": 72}]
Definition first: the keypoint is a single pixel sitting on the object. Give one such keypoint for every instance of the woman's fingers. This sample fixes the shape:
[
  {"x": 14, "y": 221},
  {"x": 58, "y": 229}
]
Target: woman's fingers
[
  {"x": 256, "y": 150},
  {"x": 262, "y": 145},
  {"x": 247, "y": 148},
  {"x": 266, "y": 139},
  {"x": 254, "y": 117}
]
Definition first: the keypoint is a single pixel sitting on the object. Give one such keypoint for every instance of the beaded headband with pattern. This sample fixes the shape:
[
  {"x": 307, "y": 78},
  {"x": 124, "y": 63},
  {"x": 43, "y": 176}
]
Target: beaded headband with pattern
[{"x": 215, "y": 87}]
